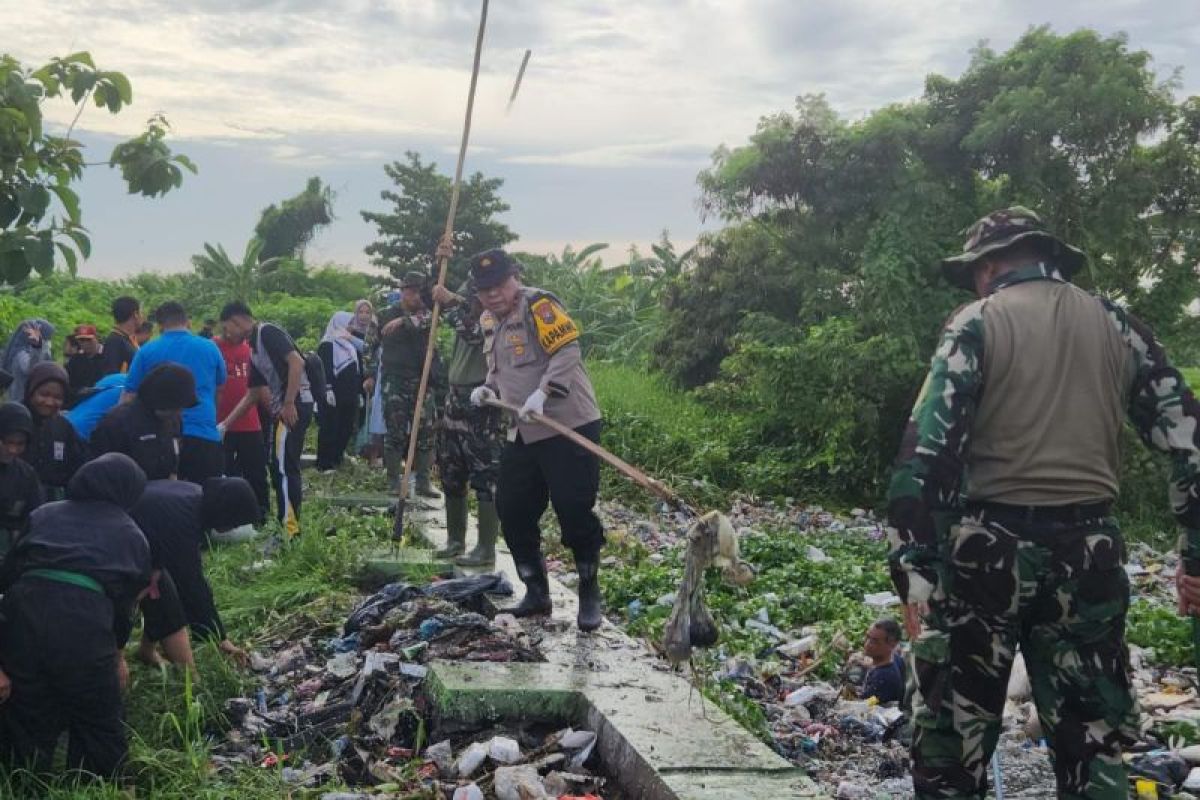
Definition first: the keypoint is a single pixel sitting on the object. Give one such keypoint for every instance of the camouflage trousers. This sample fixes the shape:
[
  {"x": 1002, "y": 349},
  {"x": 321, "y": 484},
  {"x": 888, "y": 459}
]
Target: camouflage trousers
[
  {"x": 1058, "y": 589},
  {"x": 469, "y": 443},
  {"x": 399, "y": 400}
]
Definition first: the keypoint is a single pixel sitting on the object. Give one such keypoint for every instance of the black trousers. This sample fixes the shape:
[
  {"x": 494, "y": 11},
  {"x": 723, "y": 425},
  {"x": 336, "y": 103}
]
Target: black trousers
[
  {"x": 61, "y": 655},
  {"x": 286, "y": 447},
  {"x": 335, "y": 425},
  {"x": 246, "y": 457},
  {"x": 555, "y": 472},
  {"x": 200, "y": 459}
]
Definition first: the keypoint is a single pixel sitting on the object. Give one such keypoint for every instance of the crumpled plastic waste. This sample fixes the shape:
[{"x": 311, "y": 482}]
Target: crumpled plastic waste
[
  {"x": 459, "y": 590},
  {"x": 712, "y": 541}
]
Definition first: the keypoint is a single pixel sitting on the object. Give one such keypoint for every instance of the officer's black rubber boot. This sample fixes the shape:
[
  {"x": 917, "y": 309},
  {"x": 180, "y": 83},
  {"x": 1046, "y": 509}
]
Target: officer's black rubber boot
[
  {"x": 456, "y": 527},
  {"x": 591, "y": 608},
  {"x": 536, "y": 602}
]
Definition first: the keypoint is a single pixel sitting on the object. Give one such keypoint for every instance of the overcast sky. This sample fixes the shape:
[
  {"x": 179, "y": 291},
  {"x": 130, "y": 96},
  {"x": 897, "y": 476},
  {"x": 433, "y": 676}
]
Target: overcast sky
[{"x": 621, "y": 106}]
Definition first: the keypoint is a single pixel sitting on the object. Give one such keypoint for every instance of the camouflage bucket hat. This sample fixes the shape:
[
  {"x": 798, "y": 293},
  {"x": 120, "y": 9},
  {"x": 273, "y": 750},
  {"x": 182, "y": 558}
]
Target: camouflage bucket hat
[
  {"x": 413, "y": 280},
  {"x": 1004, "y": 228}
]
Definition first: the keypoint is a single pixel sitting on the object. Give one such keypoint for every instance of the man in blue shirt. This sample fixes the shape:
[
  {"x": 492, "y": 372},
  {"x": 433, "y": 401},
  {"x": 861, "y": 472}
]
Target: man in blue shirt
[
  {"x": 885, "y": 680},
  {"x": 201, "y": 455}
]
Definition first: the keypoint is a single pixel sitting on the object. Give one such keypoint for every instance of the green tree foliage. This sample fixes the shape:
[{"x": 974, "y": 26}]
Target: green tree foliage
[
  {"x": 39, "y": 211},
  {"x": 409, "y": 233},
  {"x": 822, "y": 296},
  {"x": 286, "y": 229},
  {"x": 617, "y": 308},
  {"x": 233, "y": 280}
]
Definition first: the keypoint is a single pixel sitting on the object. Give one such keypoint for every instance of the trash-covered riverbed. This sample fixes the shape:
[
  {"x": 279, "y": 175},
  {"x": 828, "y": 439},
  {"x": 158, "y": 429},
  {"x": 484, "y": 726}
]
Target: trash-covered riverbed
[
  {"x": 798, "y": 682},
  {"x": 348, "y": 710}
]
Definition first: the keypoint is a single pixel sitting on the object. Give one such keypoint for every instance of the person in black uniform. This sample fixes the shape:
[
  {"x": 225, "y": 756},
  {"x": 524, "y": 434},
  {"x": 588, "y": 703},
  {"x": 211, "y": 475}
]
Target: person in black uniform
[
  {"x": 55, "y": 449},
  {"x": 147, "y": 429},
  {"x": 20, "y": 489},
  {"x": 175, "y": 515},
  {"x": 69, "y": 586}
]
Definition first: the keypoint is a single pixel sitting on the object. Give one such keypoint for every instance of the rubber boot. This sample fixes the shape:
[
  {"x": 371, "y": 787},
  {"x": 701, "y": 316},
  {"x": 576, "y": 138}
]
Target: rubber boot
[
  {"x": 393, "y": 462},
  {"x": 484, "y": 552},
  {"x": 456, "y": 526},
  {"x": 424, "y": 462},
  {"x": 536, "y": 602},
  {"x": 591, "y": 608}
]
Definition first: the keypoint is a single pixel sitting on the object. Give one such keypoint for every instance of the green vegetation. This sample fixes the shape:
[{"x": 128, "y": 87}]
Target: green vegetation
[{"x": 37, "y": 168}]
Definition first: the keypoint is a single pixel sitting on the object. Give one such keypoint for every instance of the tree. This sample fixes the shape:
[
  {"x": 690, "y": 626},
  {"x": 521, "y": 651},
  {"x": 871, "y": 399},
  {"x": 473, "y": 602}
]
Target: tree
[
  {"x": 812, "y": 314},
  {"x": 285, "y": 230},
  {"x": 234, "y": 280},
  {"x": 408, "y": 236},
  {"x": 38, "y": 168}
]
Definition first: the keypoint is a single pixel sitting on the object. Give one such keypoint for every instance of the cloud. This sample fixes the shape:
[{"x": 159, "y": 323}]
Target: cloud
[
  {"x": 620, "y": 107},
  {"x": 660, "y": 153}
]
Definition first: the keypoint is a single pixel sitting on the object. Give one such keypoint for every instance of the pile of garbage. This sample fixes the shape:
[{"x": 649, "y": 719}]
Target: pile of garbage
[
  {"x": 348, "y": 709},
  {"x": 554, "y": 766}
]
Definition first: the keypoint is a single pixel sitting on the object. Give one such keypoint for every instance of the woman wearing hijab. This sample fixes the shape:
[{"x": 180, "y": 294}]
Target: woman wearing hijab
[
  {"x": 339, "y": 352},
  {"x": 28, "y": 346},
  {"x": 360, "y": 323},
  {"x": 55, "y": 449},
  {"x": 148, "y": 428},
  {"x": 69, "y": 587}
]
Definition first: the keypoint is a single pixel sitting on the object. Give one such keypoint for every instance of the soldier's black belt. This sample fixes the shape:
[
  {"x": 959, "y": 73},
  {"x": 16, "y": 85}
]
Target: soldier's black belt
[{"x": 1043, "y": 515}]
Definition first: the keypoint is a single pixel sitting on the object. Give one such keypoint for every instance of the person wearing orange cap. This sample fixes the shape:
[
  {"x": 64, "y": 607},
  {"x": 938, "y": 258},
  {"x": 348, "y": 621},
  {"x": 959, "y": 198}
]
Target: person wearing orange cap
[{"x": 86, "y": 365}]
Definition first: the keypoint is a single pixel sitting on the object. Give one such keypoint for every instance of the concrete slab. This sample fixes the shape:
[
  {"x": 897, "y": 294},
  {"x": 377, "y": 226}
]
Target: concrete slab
[
  {"x": 365, "y": 501},
  {"x": 654, "y": 727},
  {"x": 405, "y": 563}
]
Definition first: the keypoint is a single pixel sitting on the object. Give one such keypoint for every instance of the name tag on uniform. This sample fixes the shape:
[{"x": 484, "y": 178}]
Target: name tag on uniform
[
  {"x": 516, "y": 342},
  {"x": 60, "y": 451}
]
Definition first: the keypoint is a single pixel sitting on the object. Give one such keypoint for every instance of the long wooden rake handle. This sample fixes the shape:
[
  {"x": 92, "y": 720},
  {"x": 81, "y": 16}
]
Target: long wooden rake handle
[
  {"x": 634, "y": 474},
  {"x": 443, "y": 262}
]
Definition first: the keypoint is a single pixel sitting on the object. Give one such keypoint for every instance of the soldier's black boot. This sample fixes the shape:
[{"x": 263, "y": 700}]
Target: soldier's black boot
[
  {"x": 536, "y": 602},
  {"x": 425, "y": 487},
  {"x": 456, "y": 526},
  {"x": 484, "y": 552},
  {"x": 591, "y": 608}
]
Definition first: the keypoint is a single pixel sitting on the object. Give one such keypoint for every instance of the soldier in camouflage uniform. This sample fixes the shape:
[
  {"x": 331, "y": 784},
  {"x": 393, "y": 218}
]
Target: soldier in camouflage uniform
[
  {"x": 470, "y": 437},
  {"x": 1000, "y": 527},
  {"x": 397, "y": 341}
]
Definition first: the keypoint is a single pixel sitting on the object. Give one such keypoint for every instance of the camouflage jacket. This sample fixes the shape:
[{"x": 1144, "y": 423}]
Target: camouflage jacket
[
  {"x": 401, "y": 352},
  {"x": 925, "y": 495}
]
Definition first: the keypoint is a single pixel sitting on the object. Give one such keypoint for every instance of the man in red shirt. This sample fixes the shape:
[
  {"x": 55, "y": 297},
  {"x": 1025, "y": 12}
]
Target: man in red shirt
[{"x": 239, "y": 424}]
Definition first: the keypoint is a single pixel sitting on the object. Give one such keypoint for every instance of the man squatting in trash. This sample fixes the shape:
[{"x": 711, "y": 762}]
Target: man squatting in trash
[
  {"x": 69, "y": 586},
  {"x": 1024, "y": 402},
  {"x": 470, "y": 438},
  {"x": 397, "y": 341},
  {"x": 534, "y": 359}
]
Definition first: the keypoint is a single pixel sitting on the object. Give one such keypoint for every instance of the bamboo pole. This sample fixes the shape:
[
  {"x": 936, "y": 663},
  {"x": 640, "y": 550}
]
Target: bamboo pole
[{"x": 443, "y": 263}]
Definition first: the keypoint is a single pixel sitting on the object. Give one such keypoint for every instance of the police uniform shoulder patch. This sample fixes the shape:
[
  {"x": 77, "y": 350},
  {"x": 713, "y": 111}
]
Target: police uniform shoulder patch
[{"x": 554, "y": 328}]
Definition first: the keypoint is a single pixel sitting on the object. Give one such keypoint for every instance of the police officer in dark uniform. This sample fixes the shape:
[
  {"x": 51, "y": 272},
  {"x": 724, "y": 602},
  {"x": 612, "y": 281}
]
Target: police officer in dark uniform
[
  {"x": 147, "y": 429},
  {"x": 534, "y": 361}
]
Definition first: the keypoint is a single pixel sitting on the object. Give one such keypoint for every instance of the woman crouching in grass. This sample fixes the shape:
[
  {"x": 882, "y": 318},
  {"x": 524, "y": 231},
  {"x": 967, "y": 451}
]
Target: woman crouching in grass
[{"x": 70, "y": 586}]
